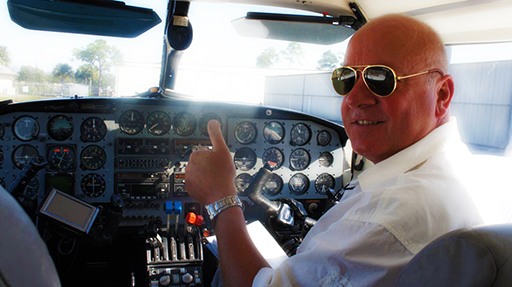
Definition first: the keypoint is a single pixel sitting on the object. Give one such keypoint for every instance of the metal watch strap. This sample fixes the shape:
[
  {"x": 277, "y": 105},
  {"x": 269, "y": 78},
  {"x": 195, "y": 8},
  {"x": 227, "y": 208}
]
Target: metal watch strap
[{"x": 217, "y": 207}]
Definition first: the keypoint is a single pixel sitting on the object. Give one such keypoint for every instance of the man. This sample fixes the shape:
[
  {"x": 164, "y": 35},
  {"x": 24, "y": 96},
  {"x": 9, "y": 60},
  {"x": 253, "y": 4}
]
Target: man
[{"x": 411, "y": 196}]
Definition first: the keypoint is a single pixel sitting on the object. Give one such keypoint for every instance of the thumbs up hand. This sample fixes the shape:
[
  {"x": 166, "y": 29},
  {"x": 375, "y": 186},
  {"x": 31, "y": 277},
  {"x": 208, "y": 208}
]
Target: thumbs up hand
[{"x": 210, "y": 174}]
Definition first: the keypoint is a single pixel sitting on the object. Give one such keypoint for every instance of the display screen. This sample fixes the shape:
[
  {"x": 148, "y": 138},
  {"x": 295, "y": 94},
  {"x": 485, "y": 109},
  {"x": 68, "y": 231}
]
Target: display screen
[
  {"x": 143, "y": 190},
  {"x": 63, "y": 183},
  {"x": 69, "y": 210}
]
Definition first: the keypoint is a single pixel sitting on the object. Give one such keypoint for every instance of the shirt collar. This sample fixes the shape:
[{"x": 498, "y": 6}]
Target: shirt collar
[{"x": 438, "y": 140}]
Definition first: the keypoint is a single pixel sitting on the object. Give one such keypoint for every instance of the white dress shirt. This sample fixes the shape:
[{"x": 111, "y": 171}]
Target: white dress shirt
[{"x": 397, "y": 207}]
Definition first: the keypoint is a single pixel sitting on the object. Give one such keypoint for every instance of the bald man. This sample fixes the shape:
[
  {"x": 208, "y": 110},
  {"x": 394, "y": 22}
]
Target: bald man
[{"x": 396, "y": 96}]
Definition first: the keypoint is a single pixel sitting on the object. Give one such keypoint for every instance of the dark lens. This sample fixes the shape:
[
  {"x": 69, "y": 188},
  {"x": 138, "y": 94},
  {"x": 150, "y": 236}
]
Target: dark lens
[
  {"x": 380, "y": 80},
  {"x": 343, "y": 80}
]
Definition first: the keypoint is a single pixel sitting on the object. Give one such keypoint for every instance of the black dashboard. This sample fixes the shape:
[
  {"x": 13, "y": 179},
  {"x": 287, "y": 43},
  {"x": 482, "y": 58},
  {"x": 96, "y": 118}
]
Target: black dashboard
[{"x": 138, "y": 148}]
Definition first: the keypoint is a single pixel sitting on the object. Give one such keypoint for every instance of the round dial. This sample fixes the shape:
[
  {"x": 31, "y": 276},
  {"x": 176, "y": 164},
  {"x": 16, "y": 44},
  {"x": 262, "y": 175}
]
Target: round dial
[
  {"x": 242, "y": 182},
  {"x": 245, "y": 132},
  {"x": 325, "y": 159},
  {"x": 61, "y": 158},
  {"x": 203, "y": 122},
  {"x": 93, "y": 157},
  {"x": 26, "y": 128},
  {"x": 184, "y": 124},
  {"x": 131, "y": 122},
  {"x": 323, "y": 138},
  {"x": 245, "y": 158},
  {"x": 2, "y": 131},
  {"x": 23, "y": 154},
  {"x": 300, "y": 134},
  {"x": 158, "y": 123},
  {"x": 93, "y": 129},
  {"x": 273, "y": 132},
  {"x": 60, "y": 128},
  {"x": 299, "y": 159},
  {"x": 298, "y": 184},
  {"x": 273, "y": 155},
  {"x": 324, "y": 182},
  {"x": 93, "y": 185},
  {"x": 273, "y": 186}
]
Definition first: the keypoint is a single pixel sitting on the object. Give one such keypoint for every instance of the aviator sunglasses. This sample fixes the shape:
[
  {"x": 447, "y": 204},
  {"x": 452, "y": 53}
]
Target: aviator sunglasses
[{"x": 379, "y": 79}]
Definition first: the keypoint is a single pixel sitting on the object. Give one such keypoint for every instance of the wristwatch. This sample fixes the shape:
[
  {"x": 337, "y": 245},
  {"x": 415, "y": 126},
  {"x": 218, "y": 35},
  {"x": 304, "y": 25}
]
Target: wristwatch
[{"x": 219, "y": 206}]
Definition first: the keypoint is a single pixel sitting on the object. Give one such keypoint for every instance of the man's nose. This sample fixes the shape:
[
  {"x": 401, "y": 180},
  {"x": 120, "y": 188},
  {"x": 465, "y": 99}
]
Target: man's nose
[{"x": 360, "y": 96}]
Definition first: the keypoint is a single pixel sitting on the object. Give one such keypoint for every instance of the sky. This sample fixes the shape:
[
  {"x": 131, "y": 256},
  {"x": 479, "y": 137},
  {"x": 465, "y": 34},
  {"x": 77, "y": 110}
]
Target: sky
[{"x": 215, "y": 43}]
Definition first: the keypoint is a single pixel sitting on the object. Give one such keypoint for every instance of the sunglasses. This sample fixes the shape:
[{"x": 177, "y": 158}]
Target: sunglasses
[{"x": 379, "y": 79}]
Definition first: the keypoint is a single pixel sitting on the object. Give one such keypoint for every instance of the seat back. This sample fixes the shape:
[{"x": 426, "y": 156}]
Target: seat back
[{"x": 480, "y": 256}]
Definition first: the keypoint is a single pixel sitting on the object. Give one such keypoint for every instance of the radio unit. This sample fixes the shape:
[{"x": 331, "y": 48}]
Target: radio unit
[{"x": 143, "y": 185}]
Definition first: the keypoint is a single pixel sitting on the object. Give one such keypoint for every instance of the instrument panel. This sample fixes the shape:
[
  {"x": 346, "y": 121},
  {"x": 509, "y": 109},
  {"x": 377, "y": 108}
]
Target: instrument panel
[{"x": 139, "y": 148}]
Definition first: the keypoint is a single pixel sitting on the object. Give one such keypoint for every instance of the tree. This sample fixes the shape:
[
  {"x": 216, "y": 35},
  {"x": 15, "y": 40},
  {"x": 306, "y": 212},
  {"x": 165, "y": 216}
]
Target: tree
[
  {"x": 31, "y": 75},
  {"x": 329, "y": 61},
  {"x": 268, "y": 58},
  {"x": 5, "y": 59},
  {"x": 293, "y": 53},
  {"x": 62, "y": 71},
  {"x": 101, "y": 56},
  {"x": 85, "y": 74}
]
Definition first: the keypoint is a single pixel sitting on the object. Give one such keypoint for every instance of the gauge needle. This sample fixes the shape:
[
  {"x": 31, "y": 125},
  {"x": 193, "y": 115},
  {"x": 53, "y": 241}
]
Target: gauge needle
[
  {"x": 154, "y": 126},
  {"x": 61, "y": 158}
]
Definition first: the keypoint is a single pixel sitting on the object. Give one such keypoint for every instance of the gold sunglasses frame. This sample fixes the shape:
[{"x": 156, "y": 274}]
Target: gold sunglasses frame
[{"x": 395, "y": 77}]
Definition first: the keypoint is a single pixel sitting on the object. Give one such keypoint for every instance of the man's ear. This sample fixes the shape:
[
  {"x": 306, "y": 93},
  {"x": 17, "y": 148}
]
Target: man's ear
[{"x": 445, "y": 90}]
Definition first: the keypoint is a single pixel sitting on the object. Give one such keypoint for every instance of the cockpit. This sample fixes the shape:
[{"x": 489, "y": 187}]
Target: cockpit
[{"x": 101, "y": 169}]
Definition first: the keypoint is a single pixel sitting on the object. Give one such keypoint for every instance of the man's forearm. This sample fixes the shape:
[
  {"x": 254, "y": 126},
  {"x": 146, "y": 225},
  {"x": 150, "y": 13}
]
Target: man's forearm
[{"x": 240, "y": 261}]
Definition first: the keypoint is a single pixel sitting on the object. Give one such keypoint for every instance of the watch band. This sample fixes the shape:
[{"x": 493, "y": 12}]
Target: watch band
[{"x": 217, "y": 207}]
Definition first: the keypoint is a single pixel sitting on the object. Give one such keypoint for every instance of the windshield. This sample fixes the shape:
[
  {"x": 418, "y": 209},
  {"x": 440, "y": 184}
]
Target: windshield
[{"x": 222, "y": 66}]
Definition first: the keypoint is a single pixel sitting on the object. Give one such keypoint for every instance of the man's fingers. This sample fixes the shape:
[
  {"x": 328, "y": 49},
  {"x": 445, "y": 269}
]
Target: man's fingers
[{"x": 216, "y": 138}]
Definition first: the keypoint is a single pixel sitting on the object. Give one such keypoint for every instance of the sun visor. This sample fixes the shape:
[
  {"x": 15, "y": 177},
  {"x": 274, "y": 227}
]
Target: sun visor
[{"x": 294, "y": 28}]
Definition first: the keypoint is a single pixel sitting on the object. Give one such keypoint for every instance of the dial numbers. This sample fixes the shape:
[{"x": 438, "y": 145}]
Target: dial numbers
[
  {"x": 324, "y": 138},
  {"x": 93, "y": 157},
  {"x": 324, "y": 182},
  {"x": 93, "y": 185},
  {"x": 300, "y": 134},
  {"x": 61, "y": 158},
  {"x": 158, "y": 123},
  {"x": 298, "y": 184},
  {"x": 273, "y": 155},
  {"x": 93, "y": 129},
  {"x": 26, "y": 128},
  {"x": 299, "y": 159},
  {"x": 131, "y": 122},
  {"x": 245, "y": 132}
]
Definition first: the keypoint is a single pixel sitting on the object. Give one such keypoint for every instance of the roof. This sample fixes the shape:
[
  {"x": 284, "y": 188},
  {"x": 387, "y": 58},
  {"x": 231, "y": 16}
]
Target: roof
[{"x": 6, "y": 71}]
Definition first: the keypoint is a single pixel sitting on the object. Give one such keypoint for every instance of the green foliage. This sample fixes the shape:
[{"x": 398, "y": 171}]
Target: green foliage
[
  {"x": 30, "y": 74},
  {"x": 5, "y": 58},
  {"x": 85, "y": 74},
  {"x": 329, "y": 61},
  {"x": 63, "y": 72},
  {"x": 268, "y": 58},
  {"x": 100, "y": 56},
  {"x": 293, "y": 53}
]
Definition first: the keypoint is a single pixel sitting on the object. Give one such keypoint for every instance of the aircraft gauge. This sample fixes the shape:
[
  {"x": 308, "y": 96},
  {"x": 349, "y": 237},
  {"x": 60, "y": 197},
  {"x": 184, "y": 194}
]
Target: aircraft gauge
[
  {"x": 60, "y": 128},
  {"x": 93, "y": 129},
  {"x": 23, "y": 154},
  {"x": 26, "y": 128},
  {"x": 131, "y": 122},
  {"x": 242, "y": 182},
  {"x": 93, "y": 185},
  {"x": 300, "y": 134},
  {"x": 203, "y": 122},
  {"x": 273, "y": 132},
  {"x": 158, "y": 123},
  {"x": 273, "y": 186},
  {"x": 324, "y": 182},
  {"x": 245, "y": 158},
  {"x": 62, "y": 158},
  {"x": 93, "y": 157},
  {"x": 274, "y": 155},
  {"x": 299, "y": 159},
  {"x": 184, "y": 124},
  {"x": 298, "y": 184},
  {"x": 245, "y": 132}
]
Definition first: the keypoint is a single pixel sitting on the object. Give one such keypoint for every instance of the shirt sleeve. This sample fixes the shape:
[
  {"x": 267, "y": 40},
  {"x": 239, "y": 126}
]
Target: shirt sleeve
[{"x": 349, "y": 253}]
